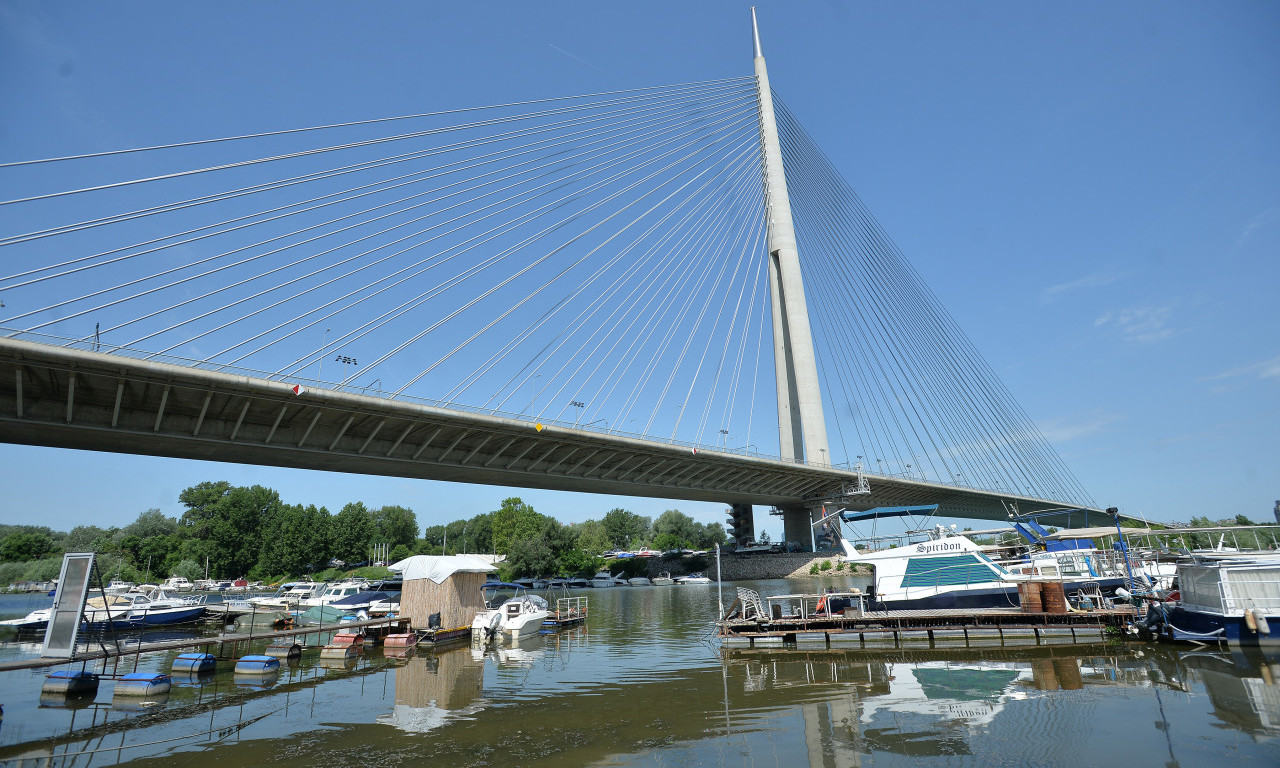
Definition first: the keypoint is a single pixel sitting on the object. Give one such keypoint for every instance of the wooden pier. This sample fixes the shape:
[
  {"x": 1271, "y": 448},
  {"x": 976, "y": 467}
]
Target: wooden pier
[{"x": 222, "y": 646}]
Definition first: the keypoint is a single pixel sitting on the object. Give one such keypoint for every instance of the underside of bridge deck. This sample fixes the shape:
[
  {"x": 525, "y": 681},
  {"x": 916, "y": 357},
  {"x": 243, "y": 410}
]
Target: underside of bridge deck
[{"x": 69, "y": 398}]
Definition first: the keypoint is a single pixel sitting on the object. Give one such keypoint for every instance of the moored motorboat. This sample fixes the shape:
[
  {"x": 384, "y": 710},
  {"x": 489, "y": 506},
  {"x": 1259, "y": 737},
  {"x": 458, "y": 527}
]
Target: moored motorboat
[
  {"x": 639, "y": 581},
  {"x": 602, "y": 580},
  {"x": 511, "y": 613},
  {"x": 178, "y": 584},
  {"x": 693, "y": 578},
  {"x": 663, "y": 579},
  {"x": 119, "y": 587},
  {"x": 1235, "y": 600},
  {"x": 289, "y": 595},
  {"x": 330, "y": 593},
  {"x": 123, "y": 611}
]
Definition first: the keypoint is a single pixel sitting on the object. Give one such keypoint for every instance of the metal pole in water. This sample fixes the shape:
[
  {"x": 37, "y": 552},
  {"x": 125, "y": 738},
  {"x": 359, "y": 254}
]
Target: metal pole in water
[{"x": 719, "y": 586}]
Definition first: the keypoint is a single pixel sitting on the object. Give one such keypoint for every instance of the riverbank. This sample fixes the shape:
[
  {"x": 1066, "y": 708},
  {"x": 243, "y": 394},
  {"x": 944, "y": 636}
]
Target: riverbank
[{"x": 792, "y": 565}]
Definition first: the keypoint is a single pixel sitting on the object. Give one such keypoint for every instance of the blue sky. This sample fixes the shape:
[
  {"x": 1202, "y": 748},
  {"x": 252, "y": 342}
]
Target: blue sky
[{"x": 1092, "y": 189}]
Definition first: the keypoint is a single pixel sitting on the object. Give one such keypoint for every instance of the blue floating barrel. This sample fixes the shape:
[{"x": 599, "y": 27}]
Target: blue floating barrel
[
  {"x": 194, "y": 664},
  {"x": 70, "y": 683},
  {"x": 257, "y": 665},
  {"x": 257, "y": 681},
  {"x": 143, "y": 684}
]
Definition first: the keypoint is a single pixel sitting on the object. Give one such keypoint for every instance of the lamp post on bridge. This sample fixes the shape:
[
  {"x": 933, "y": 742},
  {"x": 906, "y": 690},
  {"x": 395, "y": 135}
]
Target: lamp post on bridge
[
  {"x": 345, "y": 360},
  {"x": 324, "y": 342},
  {"x": 724, "y": 438},
  {"x": 579, "y": 405}
]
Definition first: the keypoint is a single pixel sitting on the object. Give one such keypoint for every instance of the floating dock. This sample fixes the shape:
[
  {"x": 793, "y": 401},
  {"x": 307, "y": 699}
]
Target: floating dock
[
  {"x": 229, "y": 646},
  {"x": 569, "y": 612},
  {"x": 939, "y": 628}
]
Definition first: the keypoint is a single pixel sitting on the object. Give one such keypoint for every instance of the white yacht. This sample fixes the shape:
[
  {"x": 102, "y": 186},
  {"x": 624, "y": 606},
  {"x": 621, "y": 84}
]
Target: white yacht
[
  {"x": 511, "y": 613},
  {"x": 602, "y": 580},
  {"x": 289, "y": 595},
  {"x": 693, "y": 578},
  {"x": 337, "y": 590},
  {"x": 178, "y": 584}
]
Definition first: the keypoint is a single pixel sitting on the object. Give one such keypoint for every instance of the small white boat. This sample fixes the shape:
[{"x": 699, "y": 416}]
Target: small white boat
[
  {"x": 330, "y": 593},
  {"x": 288, "y": 596},
  {"x": 577, "y": 583},
  {"x": 511, "y": 613},
  {"x": 602, "y": 580},
  {"x": 663, "y": 579},
  {"x": 639, "y": 581},
  {"x": 178, "y": 584},
  {"x": 693, "y": 578},
  {"x": 119, "y": 587}
]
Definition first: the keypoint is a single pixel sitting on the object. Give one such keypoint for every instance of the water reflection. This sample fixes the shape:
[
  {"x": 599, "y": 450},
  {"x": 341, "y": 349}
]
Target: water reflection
[
  {"x": 1243, "y": 689},
  {"x": 434, "y": 689},
  {"x": 641, "y": 685},
  {"x": 858, "y": 706}
]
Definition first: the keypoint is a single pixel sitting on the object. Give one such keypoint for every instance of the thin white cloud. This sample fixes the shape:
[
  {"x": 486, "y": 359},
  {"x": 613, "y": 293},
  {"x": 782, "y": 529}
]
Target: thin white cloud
[
  {"x": 1095, "y": 280},
  {"x": 1263, "y": 369},
  {"x": 1258, "y": 222},
  {"x": 1064, "y": 430},
  {"x": 1141, "y": 324}
]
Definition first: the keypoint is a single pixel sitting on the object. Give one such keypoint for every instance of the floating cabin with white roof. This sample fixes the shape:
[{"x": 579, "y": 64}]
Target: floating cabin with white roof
[{"x": 442, "y": 594}]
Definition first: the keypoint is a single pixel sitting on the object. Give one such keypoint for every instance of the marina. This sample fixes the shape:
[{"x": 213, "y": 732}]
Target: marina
[
  {"x": 607, "y": 260},
  {"x": 604, "y": 690}
]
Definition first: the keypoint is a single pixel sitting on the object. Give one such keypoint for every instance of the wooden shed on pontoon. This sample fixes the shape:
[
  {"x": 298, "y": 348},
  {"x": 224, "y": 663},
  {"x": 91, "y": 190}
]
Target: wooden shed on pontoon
[{"x": 442, "y": 594}]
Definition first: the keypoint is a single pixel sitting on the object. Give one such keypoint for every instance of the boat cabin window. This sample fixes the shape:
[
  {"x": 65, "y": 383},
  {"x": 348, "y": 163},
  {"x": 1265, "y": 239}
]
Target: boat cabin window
[{"x": 947, "y": 571}]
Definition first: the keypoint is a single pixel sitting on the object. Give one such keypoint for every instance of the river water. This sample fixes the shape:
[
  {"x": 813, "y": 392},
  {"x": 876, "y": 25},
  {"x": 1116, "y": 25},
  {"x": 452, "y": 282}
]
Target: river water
[{"x": 643, "y": 683}]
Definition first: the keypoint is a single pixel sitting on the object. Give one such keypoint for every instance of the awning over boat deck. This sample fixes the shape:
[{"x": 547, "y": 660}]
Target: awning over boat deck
[
  {"x": 1094, "y": 533},
  {"x": 872, "y": 514}
]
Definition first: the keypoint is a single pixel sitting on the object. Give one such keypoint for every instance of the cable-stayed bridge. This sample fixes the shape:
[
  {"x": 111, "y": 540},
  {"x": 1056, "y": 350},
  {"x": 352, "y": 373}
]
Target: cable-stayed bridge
[{"x": 662, "y": 291}]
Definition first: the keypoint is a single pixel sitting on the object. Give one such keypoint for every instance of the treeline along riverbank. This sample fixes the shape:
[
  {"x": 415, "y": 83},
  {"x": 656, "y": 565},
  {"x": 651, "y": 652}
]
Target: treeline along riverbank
[{"x": 228, "y": 531}]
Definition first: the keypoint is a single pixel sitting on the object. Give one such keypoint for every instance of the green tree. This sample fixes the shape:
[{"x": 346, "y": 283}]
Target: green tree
[
  {"x": 549, "y": 551},
  {"x": 623, "y": 527},
  {"x": 513, "y": 522},
  {"x": 23, "y": 546},
  {"x": 531, "y": 556},
  {"x": 151, "y": 523},
  {"x": 352, "y": 533},
  {"x": 188, "y": 569},
  {"x": 710, "y": 535},
  {"x": 395, "y": 526},
  {"x": 675, "y": 530},
  {"x": 592, "y": 537},
  {"x": 668, "y": 541},
  {"x": 225, "y": 524},
  {"x": 477, "y": 535},
  {"x": 432, "y": 541},
  {"x": 89, "y": 538},
  {"x": 296, "y": 539}
]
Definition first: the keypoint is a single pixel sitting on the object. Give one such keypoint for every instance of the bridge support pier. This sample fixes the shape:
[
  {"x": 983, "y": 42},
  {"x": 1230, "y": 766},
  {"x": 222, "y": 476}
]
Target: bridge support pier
[
  {"x": 742, "y": 524},
  {"x": 797, "y": 526}
]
